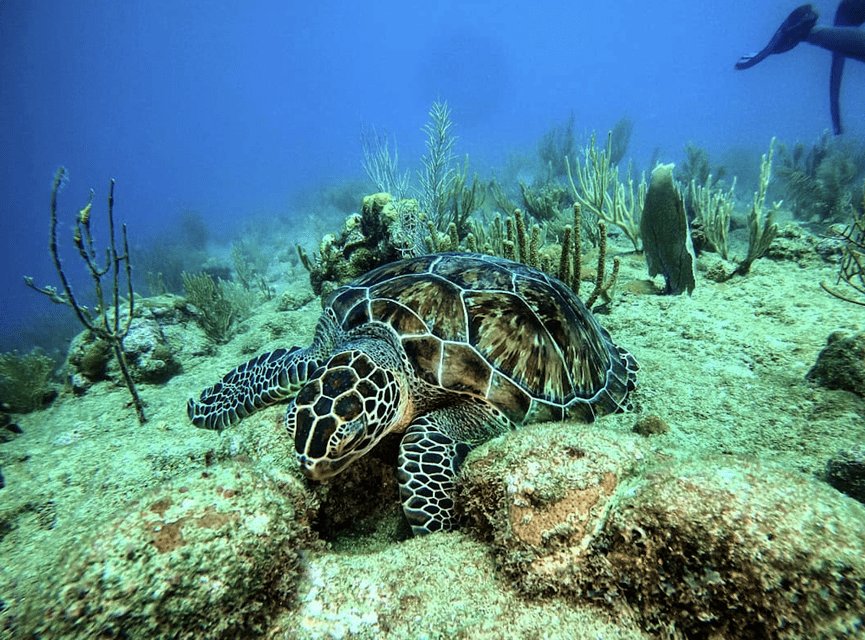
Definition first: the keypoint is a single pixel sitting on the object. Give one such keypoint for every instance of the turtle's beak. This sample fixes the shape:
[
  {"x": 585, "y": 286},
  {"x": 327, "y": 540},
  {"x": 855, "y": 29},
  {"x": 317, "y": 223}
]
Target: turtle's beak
[{"x": 321, "y": 468}]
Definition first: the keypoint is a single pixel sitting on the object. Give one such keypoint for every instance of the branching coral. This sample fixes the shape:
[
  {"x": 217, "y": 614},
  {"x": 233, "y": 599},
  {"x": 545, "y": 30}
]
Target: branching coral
[
  {"x": 603, "y": 195},
  {"x": 104, "y": 325},
  {"x": 713, "y": 206}
]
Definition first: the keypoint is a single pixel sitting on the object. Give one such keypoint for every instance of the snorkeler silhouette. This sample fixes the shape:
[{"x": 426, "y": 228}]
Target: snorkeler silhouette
[{"x": 843, "y": 39}]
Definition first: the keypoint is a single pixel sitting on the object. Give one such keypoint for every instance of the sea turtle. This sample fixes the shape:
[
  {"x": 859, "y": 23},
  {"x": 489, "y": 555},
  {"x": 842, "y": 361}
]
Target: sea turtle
[{"x": 452, "y": 349}]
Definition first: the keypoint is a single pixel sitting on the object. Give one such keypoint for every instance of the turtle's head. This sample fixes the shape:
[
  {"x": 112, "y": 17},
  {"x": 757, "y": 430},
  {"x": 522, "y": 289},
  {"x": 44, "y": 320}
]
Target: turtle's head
[{"x": 349, "y": 404}]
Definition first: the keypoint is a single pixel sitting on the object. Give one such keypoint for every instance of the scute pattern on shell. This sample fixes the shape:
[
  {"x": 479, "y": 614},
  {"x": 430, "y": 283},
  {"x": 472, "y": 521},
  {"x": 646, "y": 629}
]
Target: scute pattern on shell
[{"x": 489, "y": 326}]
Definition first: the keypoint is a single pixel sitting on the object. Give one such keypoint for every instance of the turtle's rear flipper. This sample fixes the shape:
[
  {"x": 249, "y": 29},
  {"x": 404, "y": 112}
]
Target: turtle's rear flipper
[
  {"x": 792, "y": 31},
  {"x": 264, "y": 380}
]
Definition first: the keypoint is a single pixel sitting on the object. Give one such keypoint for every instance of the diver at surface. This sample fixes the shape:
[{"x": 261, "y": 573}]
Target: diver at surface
[{"x": 843, "y": 39}]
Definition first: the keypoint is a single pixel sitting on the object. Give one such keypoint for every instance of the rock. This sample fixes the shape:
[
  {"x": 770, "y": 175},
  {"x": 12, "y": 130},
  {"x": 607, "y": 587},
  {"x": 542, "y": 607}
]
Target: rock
[
  {"x": 729, "y": 548},
  {"x": 846, "y": 472},
  {"x": 541, "y": 505},
  {"x": 650, "y": 426},
  {"x": 211, "y": 555},
  {"x": 841, "y": 364},
  {"x": 699, "y": 549},
  {"x": 150, "y": 358}
]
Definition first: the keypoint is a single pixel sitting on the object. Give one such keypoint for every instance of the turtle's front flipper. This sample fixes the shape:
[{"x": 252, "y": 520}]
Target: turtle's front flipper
[
  {"x": 264, "y": 380},
  {"x": 429, "y": 461}
]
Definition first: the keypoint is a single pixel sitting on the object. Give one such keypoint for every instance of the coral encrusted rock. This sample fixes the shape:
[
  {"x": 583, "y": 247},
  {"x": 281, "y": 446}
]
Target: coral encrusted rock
[
  {"x": 699, "y": 549},
  {"x": 212, "y": 555},
  {"x": 385, "y": 230},
  {"x": 541, "y": 496},
  {"x": 735, "y": 548}
]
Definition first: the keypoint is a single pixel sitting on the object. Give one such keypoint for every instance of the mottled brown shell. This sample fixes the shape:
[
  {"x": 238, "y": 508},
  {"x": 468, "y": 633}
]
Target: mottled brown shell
[{"x": 495, "y": 328}]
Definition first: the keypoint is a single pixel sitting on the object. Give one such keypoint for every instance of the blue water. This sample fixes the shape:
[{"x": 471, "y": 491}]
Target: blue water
[{"x": 236, "y": 109}]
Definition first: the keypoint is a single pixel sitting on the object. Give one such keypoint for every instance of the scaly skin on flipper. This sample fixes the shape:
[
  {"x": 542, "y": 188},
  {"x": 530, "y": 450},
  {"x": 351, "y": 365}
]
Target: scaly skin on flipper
[
  {"x": 263, "y": 381},
  {"x": 451, "y": 349}
]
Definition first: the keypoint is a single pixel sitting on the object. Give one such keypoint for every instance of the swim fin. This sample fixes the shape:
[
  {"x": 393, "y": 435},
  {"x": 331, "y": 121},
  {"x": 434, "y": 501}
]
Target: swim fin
[{"x": 791, "y": 32}]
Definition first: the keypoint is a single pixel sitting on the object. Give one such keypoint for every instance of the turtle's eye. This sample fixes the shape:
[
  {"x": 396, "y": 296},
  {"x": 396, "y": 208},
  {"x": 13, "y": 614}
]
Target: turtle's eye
[{"x": 349, "y": 436}]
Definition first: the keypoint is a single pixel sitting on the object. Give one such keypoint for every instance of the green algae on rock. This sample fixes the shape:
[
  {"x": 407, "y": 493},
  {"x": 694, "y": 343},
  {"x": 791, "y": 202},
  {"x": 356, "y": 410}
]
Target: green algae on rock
[{"x": 211, "y": 555}]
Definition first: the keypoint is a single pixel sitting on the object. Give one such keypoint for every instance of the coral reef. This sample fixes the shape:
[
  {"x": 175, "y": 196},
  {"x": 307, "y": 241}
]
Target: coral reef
[
  {"x": 841, "y": 364},
  {"x": 601, "y": 193},
  {"x": 385, "y": 230}
]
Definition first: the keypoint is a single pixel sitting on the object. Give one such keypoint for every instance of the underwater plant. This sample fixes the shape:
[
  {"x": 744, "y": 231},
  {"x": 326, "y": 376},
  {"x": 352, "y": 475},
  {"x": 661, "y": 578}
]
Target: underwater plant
[
  {"x": 106, "y": 326},
  {"x": 696, "y": 168},
  {"x": 465, "y": 199},
  {"x": 437, "y": 177},
  {"x": 761, "y": 221},
  {"x": 852, "y": 270},
  {"x": 818, "y": 181},
  {"x": 556, "y": 145},
  {"x": 620, "y": 139},
  {"x": 545, "y": 202},
  {"x": 381, "y": 167},
  {"x": 222, "y": 304},
  {"x": 713, "y": 208},
  {"x": 24, "y": 380}
]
